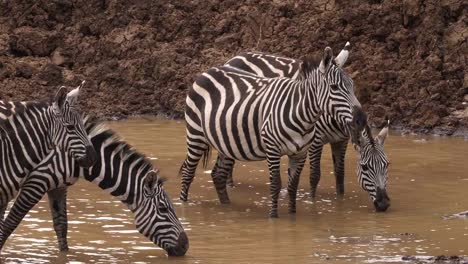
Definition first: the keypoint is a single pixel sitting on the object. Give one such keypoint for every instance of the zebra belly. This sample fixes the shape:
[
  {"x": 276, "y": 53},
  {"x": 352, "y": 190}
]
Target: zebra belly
[{"x": 236, "y": 138}]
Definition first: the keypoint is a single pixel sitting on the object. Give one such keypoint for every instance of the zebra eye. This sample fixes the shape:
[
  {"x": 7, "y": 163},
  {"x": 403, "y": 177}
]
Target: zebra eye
[
  {"x": 364, "y": 167},
  {"x": 163, "y": 209},
  {"x": 71, "y": 127},
  {"x": 334, "y": 87}
]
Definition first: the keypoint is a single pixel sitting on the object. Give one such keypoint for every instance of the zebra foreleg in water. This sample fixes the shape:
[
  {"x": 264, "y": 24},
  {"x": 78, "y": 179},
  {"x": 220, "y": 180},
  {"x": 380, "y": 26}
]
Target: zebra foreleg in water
[
  {"x": 58, "y": 209},
  {"x": 338, "y": 154},
  {"x": 296, "y": 164}
]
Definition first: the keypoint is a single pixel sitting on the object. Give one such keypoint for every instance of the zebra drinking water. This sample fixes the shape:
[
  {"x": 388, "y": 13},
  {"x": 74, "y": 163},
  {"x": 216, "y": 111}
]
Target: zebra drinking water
[
  {"x": 326, "y": 130},
  {"x": 29, "y": 131},
  {"x": 249, "y": 117},
  {"x": 120, "y": 171}
]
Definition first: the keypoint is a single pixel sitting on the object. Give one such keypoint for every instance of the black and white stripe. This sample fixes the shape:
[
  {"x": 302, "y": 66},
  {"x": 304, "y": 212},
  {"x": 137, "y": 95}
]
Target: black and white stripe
[
  {"x": 326, "y": 130},
  {"x": 29, "y": 131},
  {"x": 120, "y": 171},
  {"x": 373, "y": 167},
  {"x": 249, "y": 117}
]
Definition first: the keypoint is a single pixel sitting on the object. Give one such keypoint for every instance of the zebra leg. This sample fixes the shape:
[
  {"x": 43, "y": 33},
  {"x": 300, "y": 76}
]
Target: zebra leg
[
  {"x": 29, "y": 195},
  {"x": 58, "y": 208},
  {"x": 275, "y": 182},
  {"x": 315, "y": 154},
  {"x": 195, "y": 152},
  {"x": 338, "y": 154},
  {"x": 230, "y": 162},
  {"x": 296, "y": 164},
  {"x": 2, "y": 213},
  {"x": 219, "y": 174}
]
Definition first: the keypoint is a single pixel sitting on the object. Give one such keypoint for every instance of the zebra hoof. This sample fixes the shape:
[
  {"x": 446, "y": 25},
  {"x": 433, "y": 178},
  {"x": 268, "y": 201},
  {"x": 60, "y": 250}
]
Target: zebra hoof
[
  {"x": 292, "y": 211},
  {"x": 183, "y": 199},
  {"x": 274, "y": 215},
  {"x": 63, "y": 248},
  {"x": 225, "y": 201}
]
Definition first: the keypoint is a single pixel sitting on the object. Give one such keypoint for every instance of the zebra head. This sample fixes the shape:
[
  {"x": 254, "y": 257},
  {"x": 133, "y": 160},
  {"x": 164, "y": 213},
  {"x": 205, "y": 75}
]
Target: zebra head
[
  {"x": 68, "y": 132},
  {"x": 373, "y": 167},
  {"x": 342, "y": 103},
  {"x": 156, "y": 219}
]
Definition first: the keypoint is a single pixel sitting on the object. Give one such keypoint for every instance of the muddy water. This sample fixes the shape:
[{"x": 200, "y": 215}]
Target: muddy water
[{"x": 428, "y": 179}]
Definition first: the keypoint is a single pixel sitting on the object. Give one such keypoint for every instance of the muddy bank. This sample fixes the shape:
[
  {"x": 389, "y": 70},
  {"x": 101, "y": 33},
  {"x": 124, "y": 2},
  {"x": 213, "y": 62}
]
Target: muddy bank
[{"x": 408, "y": 58}]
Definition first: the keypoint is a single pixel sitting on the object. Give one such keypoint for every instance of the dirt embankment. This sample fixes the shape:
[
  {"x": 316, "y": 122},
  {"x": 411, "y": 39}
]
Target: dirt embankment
[{"x": 408, "y": 61}]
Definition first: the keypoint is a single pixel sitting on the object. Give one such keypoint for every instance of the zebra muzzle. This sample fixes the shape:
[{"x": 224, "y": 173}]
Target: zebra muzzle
[
  {"x": 382, "y": 201},
  {"x": 181, "y": 248},
  {"x": 89, "y": 159}
]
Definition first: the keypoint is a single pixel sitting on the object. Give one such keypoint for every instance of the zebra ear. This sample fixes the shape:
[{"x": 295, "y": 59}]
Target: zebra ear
[
  {"x": 151, "y": 179},
  {"x": 72, "y": 96},
  {"x": 340, "y": 60},
  {"x": 60, "y": 97},
  {"x": 383, "y": 134},
  {"x": 326, "y": 60}
]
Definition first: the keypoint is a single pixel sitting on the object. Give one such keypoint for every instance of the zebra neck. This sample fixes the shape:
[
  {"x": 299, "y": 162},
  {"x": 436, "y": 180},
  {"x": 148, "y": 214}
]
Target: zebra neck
[
  {"x": 310, "y": 102},
  {"x": 25, "y": 134},
  {"x": 119, "y": 170}
]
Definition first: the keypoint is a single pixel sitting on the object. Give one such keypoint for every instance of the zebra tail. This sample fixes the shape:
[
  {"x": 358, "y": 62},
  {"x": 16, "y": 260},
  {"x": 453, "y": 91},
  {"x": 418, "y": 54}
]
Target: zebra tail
[{"x": 206, "y": 157}]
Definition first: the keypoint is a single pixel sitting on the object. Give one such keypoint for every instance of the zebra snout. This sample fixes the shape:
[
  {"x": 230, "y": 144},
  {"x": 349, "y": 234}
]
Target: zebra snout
[
  {"x": 382, "y": 201},
  {"x": 89, "y": 159},
  {"x": 181, "y": 248}
]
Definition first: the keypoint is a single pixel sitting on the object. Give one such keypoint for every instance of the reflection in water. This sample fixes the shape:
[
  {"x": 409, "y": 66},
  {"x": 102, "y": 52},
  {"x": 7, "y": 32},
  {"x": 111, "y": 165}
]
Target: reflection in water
[{"x": 427, "y": 182}]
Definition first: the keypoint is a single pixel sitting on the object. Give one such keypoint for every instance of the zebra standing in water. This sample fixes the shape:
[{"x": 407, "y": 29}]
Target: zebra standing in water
[
  {"x": 248, "y": 117},
  {"x": 326, "y": 130},
  {"x": 29, "y": 131},
  {"x": 120, "y": 171}
]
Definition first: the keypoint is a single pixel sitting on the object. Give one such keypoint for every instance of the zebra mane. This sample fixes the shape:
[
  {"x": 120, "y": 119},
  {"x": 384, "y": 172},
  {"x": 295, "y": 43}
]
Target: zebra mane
[
  {"x": 96, "y": 128},
  {"x": 308, "y": 65},
  {"x": 368, "y": 133}
]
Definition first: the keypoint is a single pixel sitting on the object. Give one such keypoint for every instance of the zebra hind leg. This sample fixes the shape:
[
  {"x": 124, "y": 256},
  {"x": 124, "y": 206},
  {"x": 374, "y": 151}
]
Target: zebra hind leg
[
  {"x": 58, "y": 208},
  {"x": 190, "y": 165},
  {"x": 29, "y": 196},
  {"x": 230, "y": 181},
  {"x": 338, "y": 154},
  {"x": 2, "y": 213},
  {"x": 220, "y": 174},
  {"x": 296, "y": 164}
]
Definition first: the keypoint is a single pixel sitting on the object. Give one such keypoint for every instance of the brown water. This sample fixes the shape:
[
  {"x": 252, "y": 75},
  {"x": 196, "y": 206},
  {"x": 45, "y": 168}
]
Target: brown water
[{"x": 428, "y": 179}]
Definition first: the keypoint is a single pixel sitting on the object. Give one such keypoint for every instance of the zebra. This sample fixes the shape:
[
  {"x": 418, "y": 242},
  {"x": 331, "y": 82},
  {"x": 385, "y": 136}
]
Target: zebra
[
  {"x": 29, "y": 131},
  {"x": 326, "y": 130},
  {"x": 121, "y": 171},
  {"x": 248, "y": 117}
]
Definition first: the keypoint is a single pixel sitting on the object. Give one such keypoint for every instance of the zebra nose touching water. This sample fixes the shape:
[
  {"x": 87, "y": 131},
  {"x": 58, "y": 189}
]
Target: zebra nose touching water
[
  {"x": 372, "y": 167},
  {"x": 326, "y": 130},
  {"x": 249, "y": 117}
]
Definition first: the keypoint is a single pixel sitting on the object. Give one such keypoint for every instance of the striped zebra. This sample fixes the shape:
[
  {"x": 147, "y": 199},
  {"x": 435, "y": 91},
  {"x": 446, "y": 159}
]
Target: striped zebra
[
  {"x": 327, "y": 130},
  {"x": 120, "y": 171},
  {"x": 29, "y": 131},
  {"x": 249, "y": 117}
]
